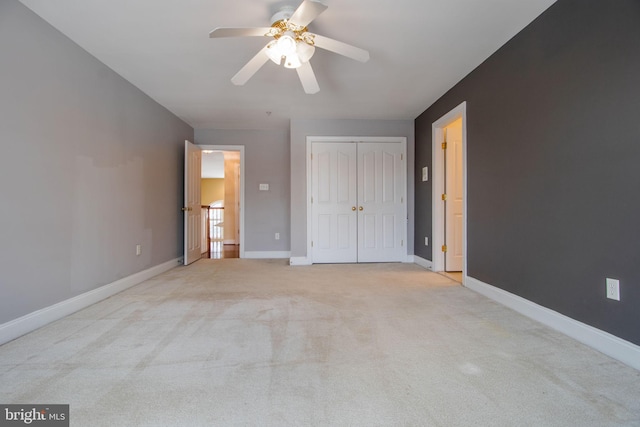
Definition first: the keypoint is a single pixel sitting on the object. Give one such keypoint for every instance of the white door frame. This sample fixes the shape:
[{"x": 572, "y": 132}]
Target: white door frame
[
  {"x": 312, "y": 139},
  {"x": 438, "y": 214},
  {"x": 239, "y": 148}
]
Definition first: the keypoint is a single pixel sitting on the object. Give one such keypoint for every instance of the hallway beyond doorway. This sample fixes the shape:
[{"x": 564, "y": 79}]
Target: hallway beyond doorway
[{"x": 221, "y": 251}]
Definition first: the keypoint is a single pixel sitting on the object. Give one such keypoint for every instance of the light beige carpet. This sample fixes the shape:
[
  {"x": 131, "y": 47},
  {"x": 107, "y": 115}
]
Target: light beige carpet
[{"x": 255, "y": 342}]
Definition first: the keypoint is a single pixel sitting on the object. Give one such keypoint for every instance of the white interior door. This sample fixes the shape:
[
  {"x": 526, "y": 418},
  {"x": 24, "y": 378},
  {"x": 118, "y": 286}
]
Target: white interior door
[
  {"x": 358, "y": 202},
  {"x": 381, "y": 210},
  {"x": 454, "y": 203},
  {"x": 333, "y": 202},
  {"x": 192, "y": 205}
]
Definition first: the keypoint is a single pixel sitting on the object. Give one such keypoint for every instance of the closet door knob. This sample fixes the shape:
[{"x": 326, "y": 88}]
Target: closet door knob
[
  {"x": 360, "y": 208},
  {"x": 353, "y": 208}
]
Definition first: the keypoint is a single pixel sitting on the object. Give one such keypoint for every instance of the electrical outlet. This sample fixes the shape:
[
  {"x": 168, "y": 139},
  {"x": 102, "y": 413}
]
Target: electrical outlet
[
  {"x": 138, "y": 249},
  {"x": 613, "y": 289},
  {"x": 277, "y": 236},
  {"x": 426, "y": 241}
]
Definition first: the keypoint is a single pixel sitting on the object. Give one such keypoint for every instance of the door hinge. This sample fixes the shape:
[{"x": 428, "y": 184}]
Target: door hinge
[
  {"x": 312, "y": 200},
  {"x": 311, "y": 156},
  {"x": 401, "y": 242},
  {"x": 401, "y": 156},
  {"x": 401, "y": 199},
  {"x": 444, "y": 248},
  {"x": 444, "y": 197},
  {"x": 444, "y": 145},
  {"x": 312, "y": 243}
]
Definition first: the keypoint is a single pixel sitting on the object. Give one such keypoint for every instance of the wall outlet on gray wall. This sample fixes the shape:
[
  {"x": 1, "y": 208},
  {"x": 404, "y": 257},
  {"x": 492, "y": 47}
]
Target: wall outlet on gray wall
[
  {"x": 613, "y": 289},
  {"x": 426, "y": 241}
]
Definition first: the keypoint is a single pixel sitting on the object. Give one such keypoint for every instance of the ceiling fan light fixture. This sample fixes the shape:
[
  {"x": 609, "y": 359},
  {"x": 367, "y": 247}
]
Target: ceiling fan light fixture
[
  {"x": 287, "y": 44},
  {"x": 305, "y": 51},
  {"x": 289, "y": 47},
  {"x": 292, "y": 61},
  {"x": 274, "y": 53}
]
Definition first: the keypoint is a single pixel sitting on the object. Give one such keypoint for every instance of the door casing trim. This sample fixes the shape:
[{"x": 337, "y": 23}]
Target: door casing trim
[
  {"x": 239, "y": 148},
  {"x": 437, "y": 177}
]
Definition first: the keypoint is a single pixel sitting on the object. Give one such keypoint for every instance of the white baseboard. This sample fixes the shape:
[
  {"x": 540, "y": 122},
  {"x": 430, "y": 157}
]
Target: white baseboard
[
  {"x": 37, "y": 319},
  {"x": 307, "y": 261},
  {"x": 299, "y": 260},
  {"x": 425, "y": 263},
  {"x": 624, "y": 351},
  {"x": 267, "y": 254}
]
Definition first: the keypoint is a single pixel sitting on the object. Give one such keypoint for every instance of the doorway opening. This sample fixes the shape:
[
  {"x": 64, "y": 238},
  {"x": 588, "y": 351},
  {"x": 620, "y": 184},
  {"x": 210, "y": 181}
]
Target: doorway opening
[
  {"x": 449, "y": 136},
  {"x": 221, "y": 202}
]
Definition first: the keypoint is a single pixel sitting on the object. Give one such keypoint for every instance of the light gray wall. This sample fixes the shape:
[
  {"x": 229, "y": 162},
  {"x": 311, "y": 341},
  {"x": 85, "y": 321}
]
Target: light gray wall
[
  {"x": 90, "y": 167},
  {"x": 266, "y": 162},
  {"x": 300, "y": 129}
]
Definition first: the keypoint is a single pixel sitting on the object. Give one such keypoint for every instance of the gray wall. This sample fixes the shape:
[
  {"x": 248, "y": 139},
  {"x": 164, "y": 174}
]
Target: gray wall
[
  {"x": 90, "y": 167},
  {"x": 553, "y": 155},
  {"x": 266, "y": 162},
  {"x": 300, "y": 129}
]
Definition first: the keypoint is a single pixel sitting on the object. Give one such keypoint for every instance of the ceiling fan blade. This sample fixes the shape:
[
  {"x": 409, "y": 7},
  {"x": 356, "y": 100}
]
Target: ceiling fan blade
[
  {"x": 239, "y": 32},
  {"x": 307, "y": 12},
  {"x": 341, "y": 48},
  {"x": 308, "y": 78},
  {"x": 250, "y": 68}
]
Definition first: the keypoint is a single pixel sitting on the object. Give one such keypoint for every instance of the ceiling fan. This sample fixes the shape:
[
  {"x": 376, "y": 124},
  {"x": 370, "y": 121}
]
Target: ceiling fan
[{"x": 292, "y": 45}]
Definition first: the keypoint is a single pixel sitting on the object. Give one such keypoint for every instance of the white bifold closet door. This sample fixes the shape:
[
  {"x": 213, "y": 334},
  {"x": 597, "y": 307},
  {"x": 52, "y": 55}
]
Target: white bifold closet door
[{"x": 358, "y": 202}]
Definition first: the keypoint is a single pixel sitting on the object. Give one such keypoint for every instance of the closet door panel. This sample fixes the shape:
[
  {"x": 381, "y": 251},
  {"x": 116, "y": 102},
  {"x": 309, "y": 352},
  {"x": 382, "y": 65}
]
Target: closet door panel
[
  {"x": 333, "y": 203},
  {"x": 381, "y": 211}
]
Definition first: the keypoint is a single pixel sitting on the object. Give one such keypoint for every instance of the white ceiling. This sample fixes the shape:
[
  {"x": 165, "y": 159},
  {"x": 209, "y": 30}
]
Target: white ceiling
[
  {"x": 419, "y": 49},
  {"x": 212, "y": 164}
]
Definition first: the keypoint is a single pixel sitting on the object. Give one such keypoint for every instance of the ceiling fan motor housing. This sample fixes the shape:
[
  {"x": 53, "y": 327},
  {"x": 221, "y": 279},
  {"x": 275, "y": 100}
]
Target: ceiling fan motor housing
[{"x": 283, "y": 14}]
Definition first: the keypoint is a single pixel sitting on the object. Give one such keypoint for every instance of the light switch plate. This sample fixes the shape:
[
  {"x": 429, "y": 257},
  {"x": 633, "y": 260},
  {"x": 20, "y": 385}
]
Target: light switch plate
[
  {"x": 425, "y": 173},
  {"x": 264, "y": 187}
]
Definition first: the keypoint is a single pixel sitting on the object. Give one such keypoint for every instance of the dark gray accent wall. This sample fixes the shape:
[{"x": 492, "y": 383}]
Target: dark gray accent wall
[
  {"x": 553, "y": 163},
  {"x": 90, "y": 167},
  {"x": 266, "y": 162}
]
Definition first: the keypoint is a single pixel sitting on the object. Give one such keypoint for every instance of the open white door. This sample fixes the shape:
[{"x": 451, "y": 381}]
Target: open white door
[
  {"x": 192, "y": 205},
  {"x": 449, "y": 245},
  {"x": 454, "y": 191}
]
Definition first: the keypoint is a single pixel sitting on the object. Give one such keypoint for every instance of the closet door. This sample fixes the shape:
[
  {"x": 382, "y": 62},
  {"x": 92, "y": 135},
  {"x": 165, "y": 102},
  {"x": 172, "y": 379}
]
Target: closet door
[
  {"x": 334, "y": 202},
  {"x": 381, "y": 204}
]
